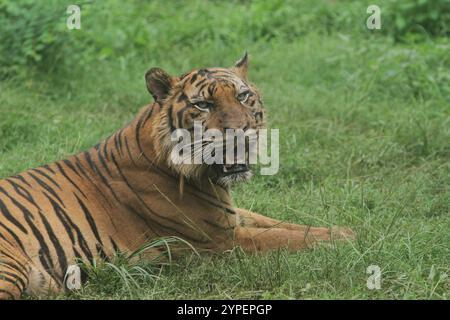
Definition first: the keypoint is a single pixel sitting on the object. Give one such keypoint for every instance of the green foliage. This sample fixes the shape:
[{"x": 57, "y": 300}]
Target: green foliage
[
  {"x": 35, "y": 36},
  {"x": 419, "y": 18},
  {"x": 32, "y": 35}
]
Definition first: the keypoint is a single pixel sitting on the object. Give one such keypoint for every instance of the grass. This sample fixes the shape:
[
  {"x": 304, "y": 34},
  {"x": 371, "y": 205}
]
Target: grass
[{"x": 364, "y": 131}]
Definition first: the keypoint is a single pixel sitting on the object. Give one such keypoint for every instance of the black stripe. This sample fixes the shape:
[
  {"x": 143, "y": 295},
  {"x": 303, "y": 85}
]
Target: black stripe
[
  {"x": 63, "y": 172},
  {"x": 12, "y": 278},
  {"x": 48, "y": 177},
  {"x": 180, "y": 116},
  {"x": 70, "y": 226},
  {"x": 62, "y": 259},
  {"x": 14, "y": 264},
  {"x": 200, "y": 196},
  {"x": 98, "y": 172},
  {"x": 148, "y": 115},
  {"x": 80, "y": 167},
  {"x": 46, "y": 187},
  {"x": 71, "y": 166},
  {"x": 1, "y": 236},
  {"x": 174, "y": 231},
  {"x": 127, "y": 183},
  {"x": 103, "y": 163},
  {"x": 44, "y": 252},
  {"x": 22, "y": 179},
  {"x": 215, "y": 89},
  {"x": 182, "y": 98},
  {"x": 8, "y": 293},
  {"x": 101, "y": 252},
  {"x": 119, "y": 142},
  {"x": 47, "y": 263},
  {"x": 211, "y": 88},
  {"x": 203, "y": 72},
  {"x": 22, "y": 192},
  {"x": 182, "y": 235},
  {"x": 200, "y": 82},
  {"x": 114, "y": 244},
  {"x": 62, "y": 217},
  {"x": 145, "y": 204},
  {"x": 105, "y": 148},
  {"x": 88, "y": 158},
  {"x": 129, "y": 152},
  {"x": 14, "y": 236},
  {"x": 90, "y": 220},
  {"x": 48, "y": 168},
  {"x": 200, "y": 89},
  {"x": 143, "y": 218},
  {"x": 116, "y": 143},
  {"x": 138, "y": 140},
  {"x": 170, "y": 118},
  {"x": 194, "y": 77},
  {"x": 9, "y": 216},
  {"x": 15, "y": 268}
]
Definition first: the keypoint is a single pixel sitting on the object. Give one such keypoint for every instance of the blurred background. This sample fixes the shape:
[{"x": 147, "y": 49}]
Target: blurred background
[
  {"x": 363, "y": 118},
  {"x": 181, "y": 34}
]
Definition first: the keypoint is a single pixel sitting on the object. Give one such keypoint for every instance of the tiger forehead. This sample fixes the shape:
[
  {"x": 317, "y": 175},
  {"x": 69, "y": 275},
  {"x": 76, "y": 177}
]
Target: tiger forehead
[{"x": 206, "y": 82}]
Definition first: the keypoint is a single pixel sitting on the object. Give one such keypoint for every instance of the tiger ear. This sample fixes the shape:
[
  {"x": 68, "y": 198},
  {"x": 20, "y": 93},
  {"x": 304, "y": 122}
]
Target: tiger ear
[
  {"x": 159, "y": 83},
  {"x": 241, "y": 66}
]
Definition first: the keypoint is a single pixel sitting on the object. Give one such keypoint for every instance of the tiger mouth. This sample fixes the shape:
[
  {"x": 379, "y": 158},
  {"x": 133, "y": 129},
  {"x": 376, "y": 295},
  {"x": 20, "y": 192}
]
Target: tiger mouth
[
  {"x": 228, "y": 169},
  {"x": 229, "y": 174},
  {"x": 237, "y": 165}
]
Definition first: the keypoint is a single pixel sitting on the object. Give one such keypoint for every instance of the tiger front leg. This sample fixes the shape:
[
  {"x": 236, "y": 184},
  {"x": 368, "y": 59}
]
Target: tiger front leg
[
  {"x": 260, "y": 233},
  {"x": 252, "y": 219}
]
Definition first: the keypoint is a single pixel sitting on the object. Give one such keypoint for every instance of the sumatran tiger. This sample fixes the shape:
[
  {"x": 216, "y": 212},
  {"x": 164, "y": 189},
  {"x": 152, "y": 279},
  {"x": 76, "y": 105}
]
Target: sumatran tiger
[{"x": 125, "y": 191}]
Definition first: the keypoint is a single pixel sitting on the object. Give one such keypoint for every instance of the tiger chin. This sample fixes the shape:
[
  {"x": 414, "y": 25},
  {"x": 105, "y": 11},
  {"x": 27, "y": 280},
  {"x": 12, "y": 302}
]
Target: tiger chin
[{"x": 126, "y": 191}]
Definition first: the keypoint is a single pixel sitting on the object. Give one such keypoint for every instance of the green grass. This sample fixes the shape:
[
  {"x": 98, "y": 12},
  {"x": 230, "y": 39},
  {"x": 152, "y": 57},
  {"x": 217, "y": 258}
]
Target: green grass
[{"x": 364, "y": 131}]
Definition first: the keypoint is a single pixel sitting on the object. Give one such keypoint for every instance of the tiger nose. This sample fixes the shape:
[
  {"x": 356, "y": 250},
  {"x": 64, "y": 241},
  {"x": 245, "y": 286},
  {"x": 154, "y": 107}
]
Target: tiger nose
[{"x": 238, "y": 122}]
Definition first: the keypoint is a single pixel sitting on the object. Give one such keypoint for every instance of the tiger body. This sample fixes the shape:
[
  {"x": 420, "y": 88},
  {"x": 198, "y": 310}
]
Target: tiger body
[{"x": 124, "y": 192}]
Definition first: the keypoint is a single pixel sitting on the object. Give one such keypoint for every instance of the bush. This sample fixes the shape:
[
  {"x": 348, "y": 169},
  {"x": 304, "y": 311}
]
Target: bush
[
  {"x": 35, "y": 36},
  {"x": 32, "y": 35},
  {"x": 412, "y": 18}
]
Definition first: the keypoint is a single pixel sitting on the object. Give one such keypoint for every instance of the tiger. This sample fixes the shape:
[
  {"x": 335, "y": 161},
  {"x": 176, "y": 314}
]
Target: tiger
[{"x": 126, "y": 191}]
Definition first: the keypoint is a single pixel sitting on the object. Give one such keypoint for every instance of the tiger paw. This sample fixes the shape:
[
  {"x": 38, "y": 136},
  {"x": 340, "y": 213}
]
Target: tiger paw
[{"x": 342, "y": 233}]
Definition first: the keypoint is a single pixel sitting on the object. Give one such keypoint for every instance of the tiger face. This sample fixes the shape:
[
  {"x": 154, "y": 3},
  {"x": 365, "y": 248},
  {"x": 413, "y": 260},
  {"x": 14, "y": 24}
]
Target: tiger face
[{"x": 216, "y": 98}]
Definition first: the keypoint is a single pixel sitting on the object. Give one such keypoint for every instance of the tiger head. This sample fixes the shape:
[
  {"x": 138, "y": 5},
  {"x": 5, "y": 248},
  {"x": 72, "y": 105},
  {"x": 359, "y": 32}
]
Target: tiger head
[{"x": 215, "y": 98}]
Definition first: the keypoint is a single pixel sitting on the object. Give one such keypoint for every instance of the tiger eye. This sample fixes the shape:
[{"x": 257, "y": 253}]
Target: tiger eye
[
  {"x": 203, "y": 105},
  {"x": 243, "y": 96}
]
